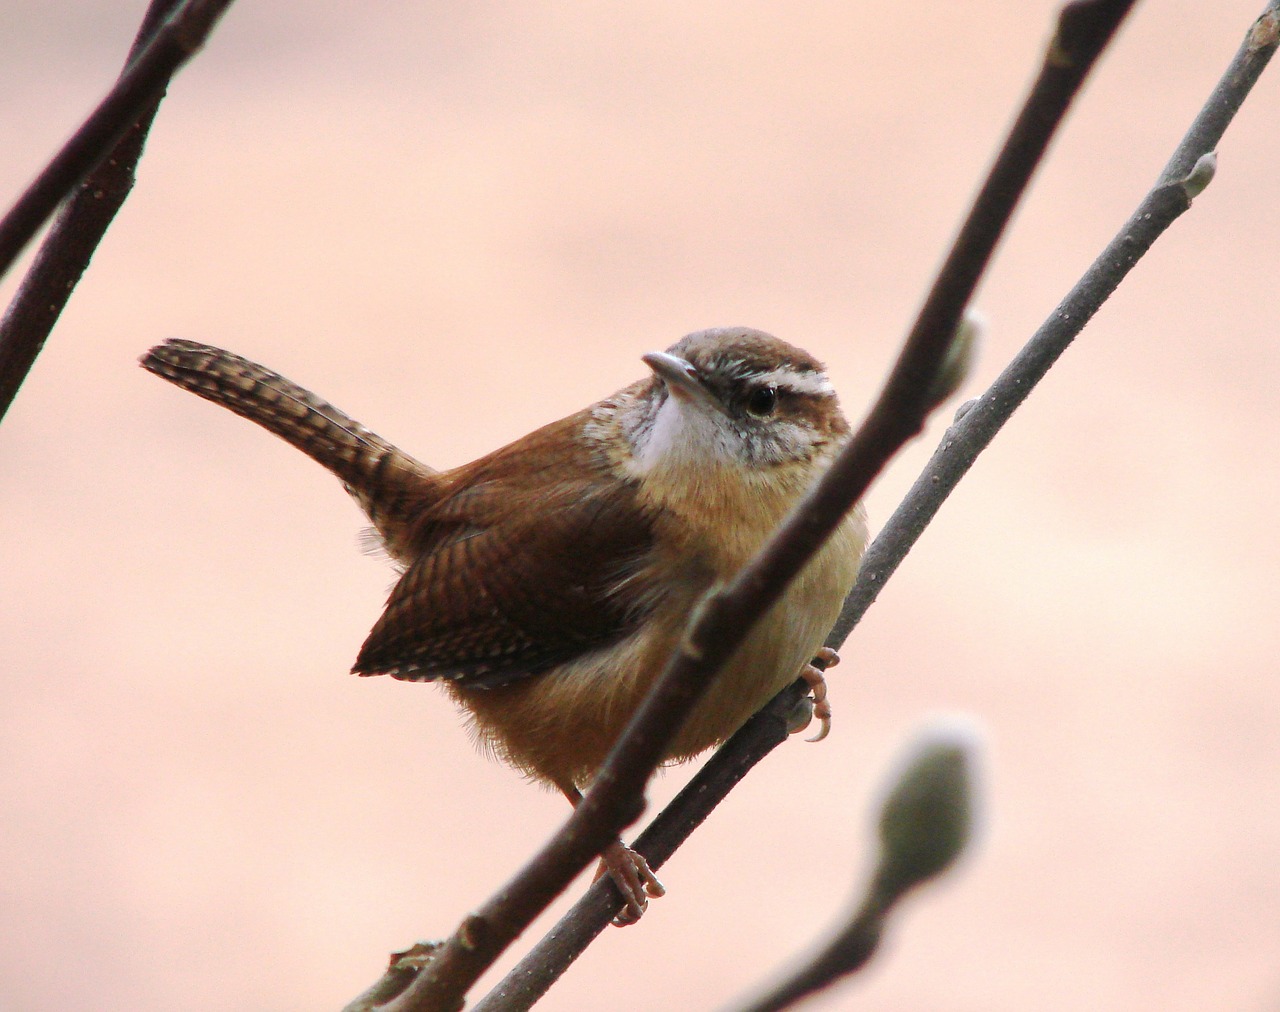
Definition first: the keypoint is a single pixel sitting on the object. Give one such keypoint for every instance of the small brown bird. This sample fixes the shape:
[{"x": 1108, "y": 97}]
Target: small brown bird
[{"x": 547, "y": 583}]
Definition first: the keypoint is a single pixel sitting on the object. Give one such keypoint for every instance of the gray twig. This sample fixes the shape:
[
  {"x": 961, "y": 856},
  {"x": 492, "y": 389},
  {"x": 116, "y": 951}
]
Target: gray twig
[
  {"x": 926, "y": 822},
  {"x": 616, "y": 797},
  {"x": 530, "y": 978},
  {"x": 1186, "y": 174}
]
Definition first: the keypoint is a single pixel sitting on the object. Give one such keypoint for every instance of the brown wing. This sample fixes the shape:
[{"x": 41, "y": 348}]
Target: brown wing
[{"x": 537, "y": 557}]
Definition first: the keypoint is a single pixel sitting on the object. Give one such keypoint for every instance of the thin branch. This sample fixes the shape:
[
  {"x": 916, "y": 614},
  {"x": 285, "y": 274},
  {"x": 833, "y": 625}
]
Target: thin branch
[
  {"x": 961, "y": 444},
  {"x": 402, "y": 968},
  {"x": 1185, "y": 175},
  {"x": 926, "y": 822},
  {"x": 616, "y": 797},
  {"x": 542, "y": 966},
  {"x": 103, "y": 153}
]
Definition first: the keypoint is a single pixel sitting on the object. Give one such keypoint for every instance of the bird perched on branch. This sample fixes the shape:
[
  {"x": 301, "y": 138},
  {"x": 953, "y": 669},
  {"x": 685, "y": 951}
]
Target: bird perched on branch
[{"x": 546, "y": 584}]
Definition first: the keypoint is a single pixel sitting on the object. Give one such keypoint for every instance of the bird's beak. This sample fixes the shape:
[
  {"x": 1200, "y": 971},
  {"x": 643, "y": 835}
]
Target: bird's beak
[{"x": 682, "y": 379}]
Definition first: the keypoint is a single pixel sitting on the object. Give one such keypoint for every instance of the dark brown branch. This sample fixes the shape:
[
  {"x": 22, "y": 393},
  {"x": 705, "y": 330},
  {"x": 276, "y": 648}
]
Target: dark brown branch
[
  {"x": 960, "y": 446},
  {"x": 401, "y": 970},
  {"x": 616, "y": 798},
  {"x": 1183, "y": 177},
  {"x": 103, "y": 153},
  {"x": 555, "y": 952}
]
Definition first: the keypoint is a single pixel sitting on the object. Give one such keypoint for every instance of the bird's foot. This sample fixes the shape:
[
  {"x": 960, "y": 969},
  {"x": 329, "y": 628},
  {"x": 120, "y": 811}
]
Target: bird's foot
[
  {"x": 812, "y": 675},
  {"x": 633, "y": 877}
]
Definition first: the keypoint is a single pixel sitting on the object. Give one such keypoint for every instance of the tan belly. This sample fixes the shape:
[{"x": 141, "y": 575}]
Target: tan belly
[
  {"x": 780, "y": 645},
  {"x": 558, "y": 727}
]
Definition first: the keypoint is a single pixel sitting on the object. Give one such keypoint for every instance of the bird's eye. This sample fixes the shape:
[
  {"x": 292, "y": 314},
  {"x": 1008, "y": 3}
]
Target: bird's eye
[{"x": 762, "y": 400}]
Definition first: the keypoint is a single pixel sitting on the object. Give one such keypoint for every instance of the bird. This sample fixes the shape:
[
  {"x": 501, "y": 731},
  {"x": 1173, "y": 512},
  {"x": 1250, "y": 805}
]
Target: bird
[{"x": 546, "y": 584}]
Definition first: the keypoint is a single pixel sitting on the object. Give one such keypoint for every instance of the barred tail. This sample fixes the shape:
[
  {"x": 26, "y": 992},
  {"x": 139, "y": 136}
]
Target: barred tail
[{"x": 386, "y": 482}]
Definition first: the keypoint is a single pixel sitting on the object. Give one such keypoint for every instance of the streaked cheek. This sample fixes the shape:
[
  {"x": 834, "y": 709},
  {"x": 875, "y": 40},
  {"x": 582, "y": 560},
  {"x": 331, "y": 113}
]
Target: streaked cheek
[{"x": 784, "y": 442}]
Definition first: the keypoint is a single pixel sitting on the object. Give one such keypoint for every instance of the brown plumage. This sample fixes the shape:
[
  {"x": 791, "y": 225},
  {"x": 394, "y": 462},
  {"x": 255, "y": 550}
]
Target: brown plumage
[{"x": 546, "y": 584}]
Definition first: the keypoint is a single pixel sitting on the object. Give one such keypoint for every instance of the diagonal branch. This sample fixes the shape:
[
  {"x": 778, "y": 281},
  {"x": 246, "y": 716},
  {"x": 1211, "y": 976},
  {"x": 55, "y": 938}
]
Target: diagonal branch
[
  {"x": 104, "y": 153},
  {"x": 925, "y": 823},
  {"x": 542, "y": 966},
  {"x": 616, "y": 798},
  {"x": 961, "y": 444},
  {"x": 1186, "y": 174}
]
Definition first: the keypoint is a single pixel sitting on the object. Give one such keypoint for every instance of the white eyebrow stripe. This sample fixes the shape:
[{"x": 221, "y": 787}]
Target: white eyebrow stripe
[{"x": 814, "y": 383}]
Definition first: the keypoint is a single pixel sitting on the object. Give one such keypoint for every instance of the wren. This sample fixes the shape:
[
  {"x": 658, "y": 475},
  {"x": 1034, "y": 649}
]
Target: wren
[{"x": 546, "y": 584}]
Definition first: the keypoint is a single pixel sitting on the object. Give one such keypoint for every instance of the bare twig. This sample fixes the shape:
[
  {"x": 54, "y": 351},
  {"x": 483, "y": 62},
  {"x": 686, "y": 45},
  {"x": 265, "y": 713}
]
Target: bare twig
[
  {"x": 960, "y": 446},
  {"x": 1186, "y": 174},
  {"x": 401, "y": 970},
  {"x": 555, "y": 952},
  {"x": 616, "y": 796},
  {"x": 105, "y": 149},
  {"x": 926, "y": 822}
]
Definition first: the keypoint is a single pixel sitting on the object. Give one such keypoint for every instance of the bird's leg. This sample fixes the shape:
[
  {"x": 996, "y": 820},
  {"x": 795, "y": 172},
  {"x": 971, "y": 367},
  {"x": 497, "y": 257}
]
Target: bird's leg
[
  {"x": 630, "y": 872},
  {"x": 812, "y": 675}
]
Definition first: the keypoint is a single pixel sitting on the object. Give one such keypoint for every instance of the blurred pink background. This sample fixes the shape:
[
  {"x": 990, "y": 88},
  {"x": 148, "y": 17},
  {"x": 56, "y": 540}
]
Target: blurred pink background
[{"x": 458, "y": 222}]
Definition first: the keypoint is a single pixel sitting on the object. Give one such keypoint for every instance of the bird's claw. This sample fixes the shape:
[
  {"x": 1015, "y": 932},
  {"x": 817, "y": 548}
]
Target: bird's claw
[
  {"x": 812, "y": 675},
  {"x": 633, "y": 877}
]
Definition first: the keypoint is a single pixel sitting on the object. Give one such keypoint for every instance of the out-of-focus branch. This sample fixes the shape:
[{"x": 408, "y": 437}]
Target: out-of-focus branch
[
  {"x": 616, "y": 797},
  {"x": 104, "y": 153},
  {"x": 926, "y": 822}
]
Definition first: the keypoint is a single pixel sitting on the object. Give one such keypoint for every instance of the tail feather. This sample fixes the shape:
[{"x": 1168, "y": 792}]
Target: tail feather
[{"x": 386, "y": 482}]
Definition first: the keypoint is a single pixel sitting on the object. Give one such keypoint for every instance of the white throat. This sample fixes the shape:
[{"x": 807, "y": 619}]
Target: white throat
[{"x": 682, "y": 436}]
